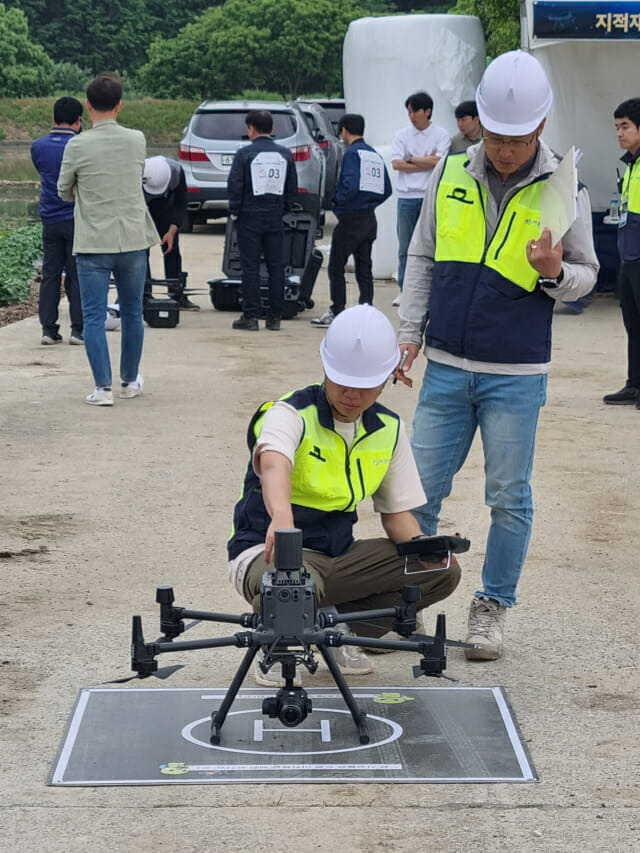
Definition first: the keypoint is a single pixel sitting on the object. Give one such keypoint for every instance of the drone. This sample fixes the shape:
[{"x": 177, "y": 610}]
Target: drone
[{"x": 290, "y": 626}]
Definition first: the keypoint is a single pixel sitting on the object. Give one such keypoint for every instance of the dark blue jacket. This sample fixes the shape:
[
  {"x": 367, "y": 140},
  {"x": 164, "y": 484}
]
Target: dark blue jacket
[
  {"x": 46, "y": 154},
  {"x": 348, "y": 196},
  {"x": 264, "y": 209}
]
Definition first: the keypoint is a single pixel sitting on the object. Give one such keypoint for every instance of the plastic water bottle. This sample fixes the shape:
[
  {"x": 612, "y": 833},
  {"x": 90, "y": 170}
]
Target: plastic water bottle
[{"x": 614, "y": 208}]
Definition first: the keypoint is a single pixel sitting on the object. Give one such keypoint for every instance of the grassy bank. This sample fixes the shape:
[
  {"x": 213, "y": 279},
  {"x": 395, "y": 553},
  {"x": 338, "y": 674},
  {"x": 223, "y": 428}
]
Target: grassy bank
[{"x": 23, "y": 119}]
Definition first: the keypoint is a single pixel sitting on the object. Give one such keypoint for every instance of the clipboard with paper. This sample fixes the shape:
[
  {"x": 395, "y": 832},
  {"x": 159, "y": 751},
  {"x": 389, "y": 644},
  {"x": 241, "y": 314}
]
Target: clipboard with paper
[{"x": 559, "y": 198}]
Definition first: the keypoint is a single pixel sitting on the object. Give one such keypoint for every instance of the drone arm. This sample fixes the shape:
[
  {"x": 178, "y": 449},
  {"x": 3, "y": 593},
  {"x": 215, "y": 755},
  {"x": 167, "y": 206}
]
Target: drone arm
[
  {"x": 247, "y": 620},
  {"x": 239, "y": 640},
  {"x": 404, "y": 615}
]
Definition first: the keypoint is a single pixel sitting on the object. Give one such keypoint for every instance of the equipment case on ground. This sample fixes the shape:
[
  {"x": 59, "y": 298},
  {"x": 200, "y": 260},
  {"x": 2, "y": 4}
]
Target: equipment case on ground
[
  {"x": 301, "y": 265},
  {"x": 160, "y": 313}
]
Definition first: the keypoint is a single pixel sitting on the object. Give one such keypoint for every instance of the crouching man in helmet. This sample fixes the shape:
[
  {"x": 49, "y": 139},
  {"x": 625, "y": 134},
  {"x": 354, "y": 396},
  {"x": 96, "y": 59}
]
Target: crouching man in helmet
[
  {"x": 480, "y": 286},
  {"x": 315, "y": 455}
]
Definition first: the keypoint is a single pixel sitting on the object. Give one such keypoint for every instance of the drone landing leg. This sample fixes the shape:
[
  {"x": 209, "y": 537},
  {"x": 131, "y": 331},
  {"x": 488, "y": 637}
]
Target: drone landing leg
[
  {"x": 219, "y": 716},
  {"x": 359, "y": 718}
]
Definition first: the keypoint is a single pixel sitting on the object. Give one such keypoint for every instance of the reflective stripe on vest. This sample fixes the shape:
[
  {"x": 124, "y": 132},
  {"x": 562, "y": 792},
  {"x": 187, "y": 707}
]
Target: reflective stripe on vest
[{"x": 461, "y": 225}]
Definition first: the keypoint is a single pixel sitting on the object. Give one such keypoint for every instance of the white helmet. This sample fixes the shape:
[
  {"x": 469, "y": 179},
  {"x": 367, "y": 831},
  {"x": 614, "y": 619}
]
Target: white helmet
[
  {"x": 360, "y": 349},
  {"x": 156, "y": 175},
  {"x": 514, "y": 95}
]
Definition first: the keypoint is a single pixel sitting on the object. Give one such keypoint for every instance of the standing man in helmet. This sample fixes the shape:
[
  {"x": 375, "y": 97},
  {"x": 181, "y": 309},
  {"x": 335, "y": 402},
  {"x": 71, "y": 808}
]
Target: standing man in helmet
[
  {"x": 480, "y": 286},
  {"x": 363, "y": 185},
  {"x": 315, "y": 455},
  {"x": 165, "y": 191}
]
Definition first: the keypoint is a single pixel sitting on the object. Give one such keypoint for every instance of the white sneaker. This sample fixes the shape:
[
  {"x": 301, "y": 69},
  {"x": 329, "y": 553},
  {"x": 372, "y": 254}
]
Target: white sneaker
[
  {"x": 325, "y": 320},
  {"x": 350, "y": 659},
  {"x": 396, "y": 301},
  {"x": 132, "y": 389},
  {"x": 100, "y": 397},
  {"x": 273, "y": 678},
  {"x": 76, "y": 340},
  {"x": 485, "y": 629}
]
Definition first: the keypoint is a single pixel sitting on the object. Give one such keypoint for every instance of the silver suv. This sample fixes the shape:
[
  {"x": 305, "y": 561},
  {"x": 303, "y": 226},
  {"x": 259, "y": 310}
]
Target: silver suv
[{"x": 214, "y": 134}]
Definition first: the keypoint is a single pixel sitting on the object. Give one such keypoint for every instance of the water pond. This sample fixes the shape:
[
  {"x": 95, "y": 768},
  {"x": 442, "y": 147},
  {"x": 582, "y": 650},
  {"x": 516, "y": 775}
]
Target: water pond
[{"x": 20, "y": 185}]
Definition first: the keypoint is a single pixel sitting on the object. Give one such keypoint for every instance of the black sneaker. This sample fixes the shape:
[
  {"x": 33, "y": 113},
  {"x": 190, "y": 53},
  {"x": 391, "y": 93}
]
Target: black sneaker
[
  {"x": 624, "y": 397},
  {"x": 48, "y": 340},
  {"x": 186, "y": 304},
  {"x": 272, "y": 323},
  {"x": 247, "y": 324}
]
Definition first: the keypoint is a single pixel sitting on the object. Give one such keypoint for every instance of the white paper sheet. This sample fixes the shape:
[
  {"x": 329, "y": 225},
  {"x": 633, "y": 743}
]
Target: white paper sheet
[{"x": 559, "y": 200}]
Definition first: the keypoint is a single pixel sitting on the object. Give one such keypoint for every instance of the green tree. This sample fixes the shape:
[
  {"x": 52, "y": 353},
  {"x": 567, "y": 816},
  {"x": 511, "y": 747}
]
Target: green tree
[
  {"x": 500, "y": 22},
  {"x": 25, "y": 67},
  {"x": 285, "y": 46},
  {"x": 90, "y": 33},
  {"x": 101, "y": 36}
]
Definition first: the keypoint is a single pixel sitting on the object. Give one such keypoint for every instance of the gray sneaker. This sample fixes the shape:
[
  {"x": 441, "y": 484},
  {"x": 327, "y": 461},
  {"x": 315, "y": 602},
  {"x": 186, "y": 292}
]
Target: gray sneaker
[
  {"x": 485, "y": 628},
  {"x": 325, "y": 320},
  {"x": 350, "y": 659}
]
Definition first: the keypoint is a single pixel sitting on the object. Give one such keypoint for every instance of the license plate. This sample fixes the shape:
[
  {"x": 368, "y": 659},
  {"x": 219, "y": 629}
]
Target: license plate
[{"x": 226, "y": 159}]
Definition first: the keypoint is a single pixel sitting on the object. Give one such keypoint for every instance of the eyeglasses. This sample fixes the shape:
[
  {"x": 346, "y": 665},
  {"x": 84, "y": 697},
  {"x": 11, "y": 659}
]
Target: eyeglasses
[{"x": 514, "y": 145}]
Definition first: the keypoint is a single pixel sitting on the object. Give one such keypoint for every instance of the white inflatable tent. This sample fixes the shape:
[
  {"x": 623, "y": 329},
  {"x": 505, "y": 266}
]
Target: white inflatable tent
[{"x": 387, "y": 59}]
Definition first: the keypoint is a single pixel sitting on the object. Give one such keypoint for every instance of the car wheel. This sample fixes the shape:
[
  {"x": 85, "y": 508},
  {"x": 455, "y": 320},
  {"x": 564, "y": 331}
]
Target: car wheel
[{"x": 187, "y": 225}]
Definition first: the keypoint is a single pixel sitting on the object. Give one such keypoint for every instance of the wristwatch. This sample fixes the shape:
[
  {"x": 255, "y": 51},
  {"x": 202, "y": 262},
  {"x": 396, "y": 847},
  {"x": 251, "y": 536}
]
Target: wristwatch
[
  {"x": 550, "y": 281},
  {"x": 408, "y": 158}
]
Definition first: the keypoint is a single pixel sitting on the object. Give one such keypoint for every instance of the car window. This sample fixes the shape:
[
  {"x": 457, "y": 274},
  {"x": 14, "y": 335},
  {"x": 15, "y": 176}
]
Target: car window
[
  {"x": 230, "y": 125},
  {"x": 311, "y": 120},
  {"x": 335, "y": 114}
]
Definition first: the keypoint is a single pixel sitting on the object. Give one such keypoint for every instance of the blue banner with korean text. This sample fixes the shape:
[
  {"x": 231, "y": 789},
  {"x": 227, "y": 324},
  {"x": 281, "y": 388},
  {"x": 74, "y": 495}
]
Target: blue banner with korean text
[{"x": 578, "y": 19}]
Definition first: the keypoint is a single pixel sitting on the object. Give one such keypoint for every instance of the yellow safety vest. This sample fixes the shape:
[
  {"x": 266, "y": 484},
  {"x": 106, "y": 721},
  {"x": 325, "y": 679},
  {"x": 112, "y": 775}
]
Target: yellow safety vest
[
  {"x": 461, "y": 225},
  {"x": 328, "y": 479}
]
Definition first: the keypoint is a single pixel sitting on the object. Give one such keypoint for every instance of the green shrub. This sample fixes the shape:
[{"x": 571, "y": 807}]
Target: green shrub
[{"x": 18, "y": 251}]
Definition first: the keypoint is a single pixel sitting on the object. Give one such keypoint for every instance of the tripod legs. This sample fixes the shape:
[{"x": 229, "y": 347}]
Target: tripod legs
[
  {"x": 359, "y": 718},
  {"x": 219, "y": 716}
]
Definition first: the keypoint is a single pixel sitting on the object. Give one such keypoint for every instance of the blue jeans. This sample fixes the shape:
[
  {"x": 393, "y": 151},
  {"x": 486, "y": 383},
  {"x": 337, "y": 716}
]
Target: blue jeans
[
  {"x": 129, "y": 271},
  {"x": 452, "y": 404},
  {"x": 408, "y": 214}
]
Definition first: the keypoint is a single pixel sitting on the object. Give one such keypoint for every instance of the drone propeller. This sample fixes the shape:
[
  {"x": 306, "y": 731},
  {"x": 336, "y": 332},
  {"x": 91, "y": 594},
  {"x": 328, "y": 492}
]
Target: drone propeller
[{"x": 163, "y": 673}]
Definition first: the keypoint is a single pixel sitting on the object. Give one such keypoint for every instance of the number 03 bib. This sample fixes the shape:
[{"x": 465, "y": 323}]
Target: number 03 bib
[
  {"x": 371, "y": 172},
  {"x": 268, "y": 173}
]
